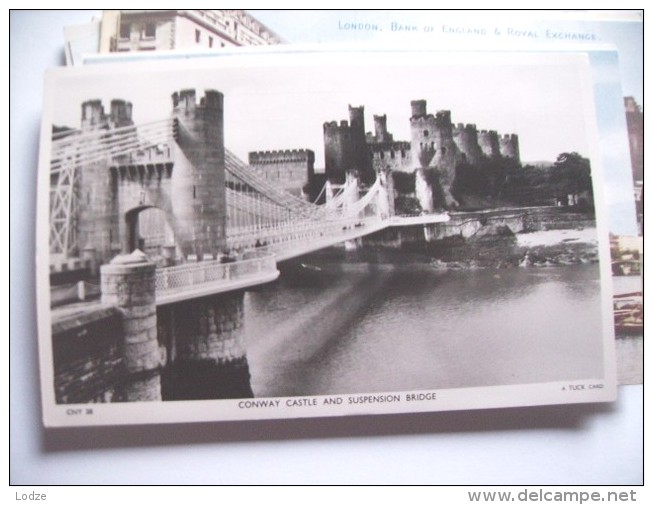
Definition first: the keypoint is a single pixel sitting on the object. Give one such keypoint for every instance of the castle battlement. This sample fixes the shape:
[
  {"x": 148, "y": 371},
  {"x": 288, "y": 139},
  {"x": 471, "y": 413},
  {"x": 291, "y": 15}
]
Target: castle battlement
[
  {"x": 509, "y": 146},
  {"x": 281, "y": 156},
  {"x": 357, "y": 115},
  {"x": 335, "y": 126},
  {"x": 423, "y": 120},
  {"x": 418, "y": 108},
  {"x": 443, "y": 118},
  {"x": 397, "y": 145},
  {"x": 187, "y": 99},
  {"x": 469, "y": 127},
  {"x": 94, "y": 115}
]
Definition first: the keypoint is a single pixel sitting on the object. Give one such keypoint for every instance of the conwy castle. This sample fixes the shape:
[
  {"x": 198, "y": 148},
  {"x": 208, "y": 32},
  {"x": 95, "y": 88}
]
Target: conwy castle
[{"x": 435, "y": 149}]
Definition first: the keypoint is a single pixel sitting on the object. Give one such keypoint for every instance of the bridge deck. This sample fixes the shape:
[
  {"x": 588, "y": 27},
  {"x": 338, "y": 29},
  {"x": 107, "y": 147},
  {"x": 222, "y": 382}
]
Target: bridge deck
[{"x": 194, "y": 280}]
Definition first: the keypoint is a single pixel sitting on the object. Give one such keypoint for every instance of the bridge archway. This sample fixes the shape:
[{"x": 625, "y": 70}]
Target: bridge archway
[{"x": 147, "y": 229}]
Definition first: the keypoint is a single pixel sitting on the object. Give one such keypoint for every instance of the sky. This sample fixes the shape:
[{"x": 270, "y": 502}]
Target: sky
[{"x": 281, "y": 102}]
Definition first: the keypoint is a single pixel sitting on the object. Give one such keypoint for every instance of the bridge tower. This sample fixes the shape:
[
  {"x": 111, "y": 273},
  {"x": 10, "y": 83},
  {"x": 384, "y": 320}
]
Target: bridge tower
[
  {"x": 98, "y": 215},
  {"x": 198, "y": 179}
]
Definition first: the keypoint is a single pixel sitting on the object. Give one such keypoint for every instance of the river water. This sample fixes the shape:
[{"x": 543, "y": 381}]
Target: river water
[{"x": 339, "y": 328}]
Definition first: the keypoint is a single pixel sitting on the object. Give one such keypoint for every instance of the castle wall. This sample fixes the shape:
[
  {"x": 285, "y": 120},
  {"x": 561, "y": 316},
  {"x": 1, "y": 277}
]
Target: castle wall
[
  {"x": 289, "y": 169},
  {"x": 395, "y": 156}
]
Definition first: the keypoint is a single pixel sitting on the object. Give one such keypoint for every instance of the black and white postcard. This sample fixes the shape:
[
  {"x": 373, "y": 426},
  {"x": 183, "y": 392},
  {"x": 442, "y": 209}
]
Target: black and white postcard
[{"x": 300, "y": 235}]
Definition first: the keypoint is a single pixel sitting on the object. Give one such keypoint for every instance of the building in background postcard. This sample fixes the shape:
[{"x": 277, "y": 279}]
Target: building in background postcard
[{"x": 149, "y": 30}]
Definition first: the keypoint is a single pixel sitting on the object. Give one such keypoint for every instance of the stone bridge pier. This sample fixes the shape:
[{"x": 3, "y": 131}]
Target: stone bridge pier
[
  {"x": 188, "y": 350},
  {"x": 204, "y": 338},
  {"x": 128, "y": 283}
]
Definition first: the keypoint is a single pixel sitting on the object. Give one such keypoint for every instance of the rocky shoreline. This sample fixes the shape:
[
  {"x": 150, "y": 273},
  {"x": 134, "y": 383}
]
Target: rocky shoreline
[
  {"x": 491, "y": 247},
  {"x": 499, "y": 248}
]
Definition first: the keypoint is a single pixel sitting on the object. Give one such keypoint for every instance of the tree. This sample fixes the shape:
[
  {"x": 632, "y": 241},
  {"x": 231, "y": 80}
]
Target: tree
[{"x": 571, "y": 175}]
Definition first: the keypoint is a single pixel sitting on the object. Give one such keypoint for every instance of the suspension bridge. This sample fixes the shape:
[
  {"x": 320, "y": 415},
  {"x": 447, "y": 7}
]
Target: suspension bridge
[
  {"x": 217, "y": 225},
  {"x": 175, "y": 227}
]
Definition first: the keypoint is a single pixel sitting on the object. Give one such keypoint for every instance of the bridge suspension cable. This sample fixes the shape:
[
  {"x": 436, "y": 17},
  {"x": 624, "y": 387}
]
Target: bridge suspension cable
[
  {"x": 89, "y": 147},
  {"x": 258, "y": 210}
]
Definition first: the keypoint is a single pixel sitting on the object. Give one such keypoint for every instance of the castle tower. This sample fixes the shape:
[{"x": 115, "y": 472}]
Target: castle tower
[
  {"x": 489, "y": 143},
  {"x": 121, "y": 113},
  {"x": 509, "y": 146},
  {"x": 345, "y": 148},
  {"x": 418, "y": 108},
  {"x": 93, "y": 116},
  {"x": 361, "y": 157},
  {"x": 432, "y": 137},
  {"x": 466, "y": 139},
  {"x": 198, "y": 178},
  {"x": 97, "y": 216},
  {"x": 357, "y": 120},
  {"x": 381, "y": 134},
  {"x": 433, "y": 147},
  {"x": 337, "y": 150},
  {"x": 423, "y": 190}
]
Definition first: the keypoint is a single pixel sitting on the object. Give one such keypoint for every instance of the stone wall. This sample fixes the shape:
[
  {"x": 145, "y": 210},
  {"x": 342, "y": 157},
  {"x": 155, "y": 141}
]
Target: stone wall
[
  {"x": 509, "y": 147},
  {"x": 467, "y": 224},
  {"x": 88, "y": 365},
  {"x": 489, "y": 143},
  {"x": 205, "y": 346},
  {"x": 466, "y": 139},
  {"x": 290, "y": 169},
  {"x": 129, "y": 349},
  {"x": 198, "y": 178},
  {"x": 345, "y": 148},
  {"x": 395, "y": 156},
  {"x": 337, "y": 150}
]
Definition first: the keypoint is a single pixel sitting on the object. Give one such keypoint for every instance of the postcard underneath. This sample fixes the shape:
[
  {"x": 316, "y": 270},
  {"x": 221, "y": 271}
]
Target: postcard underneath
[{"x": 288, "y": 235}]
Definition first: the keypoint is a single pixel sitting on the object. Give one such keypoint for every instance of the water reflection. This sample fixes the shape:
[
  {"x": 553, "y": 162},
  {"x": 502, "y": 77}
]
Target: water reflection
[{"x": 352, "y": 328}]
